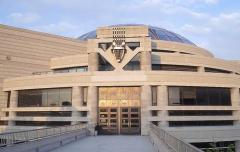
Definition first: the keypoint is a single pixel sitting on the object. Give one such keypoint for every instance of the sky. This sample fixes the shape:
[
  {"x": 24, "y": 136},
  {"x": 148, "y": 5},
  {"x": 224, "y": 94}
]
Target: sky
[{"x": 211, "y": 24}]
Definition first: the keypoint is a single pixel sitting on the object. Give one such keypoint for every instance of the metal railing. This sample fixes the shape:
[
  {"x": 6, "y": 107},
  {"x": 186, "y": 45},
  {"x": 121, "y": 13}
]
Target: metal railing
[
  {"x": 11, "y": 138},
  {"x": 174, "y": 143}
]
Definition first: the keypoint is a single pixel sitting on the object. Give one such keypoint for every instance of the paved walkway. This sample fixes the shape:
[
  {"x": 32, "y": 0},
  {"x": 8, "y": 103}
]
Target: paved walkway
[{"x": 109, "y": 144}]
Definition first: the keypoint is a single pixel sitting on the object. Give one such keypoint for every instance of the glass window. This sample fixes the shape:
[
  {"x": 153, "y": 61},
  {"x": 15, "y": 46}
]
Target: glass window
[
  {"x": 188, "y": 96},
  {"x": 163, "y": 51},
  {"x": 65, "y": 97},
  {"x": 214, "y": 96},
  {"x": 212, "y": 70},
  {"x": 72, "y": 69},
  {"x": 104, "y": 65},
  {"x": 199, "y": 113},
  {"x": 134, "y": 64},
  {"x": 42, "y": 123},
  {"x": 199, "y": 96},
  {"x": 154, "y": 113},
  {"x": 83, "y": 113},
  {"x": 45, "y": 114},
  {"x": 53, "y": 97},
  {"x": 133, "y": 45},
  {"x": 119, "y": 96},
  {"x": 154, "y": 96},
  {"x": 166, "y": 67},
  {"x": 202, "y": 96},
  {"x": 200, "y": 123},
  {"x": 30, "y": 98},
  {"x": 45, "y": 97},
  {"x": 85, "y": 96},
  {"x": 82, "y": 69},
  {"x": 174, "y": 96},
  {"x": 225, "y": 96}
]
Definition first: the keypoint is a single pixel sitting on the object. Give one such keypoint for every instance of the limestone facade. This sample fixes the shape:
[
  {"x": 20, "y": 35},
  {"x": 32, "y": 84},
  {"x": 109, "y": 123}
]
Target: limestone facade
[{"x": 221, "y": 74}]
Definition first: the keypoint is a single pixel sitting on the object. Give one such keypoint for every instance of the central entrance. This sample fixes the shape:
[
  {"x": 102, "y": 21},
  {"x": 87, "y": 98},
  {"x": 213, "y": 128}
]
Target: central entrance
[{"x": 119, "y": 110}]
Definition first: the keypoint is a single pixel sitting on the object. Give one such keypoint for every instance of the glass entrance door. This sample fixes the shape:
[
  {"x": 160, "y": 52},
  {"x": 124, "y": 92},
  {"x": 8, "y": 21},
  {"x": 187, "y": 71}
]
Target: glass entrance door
[
  {"x": 119, "y": 110},
  {"x": 108, "y": 120},
  {"x": 130, "y": 120}
]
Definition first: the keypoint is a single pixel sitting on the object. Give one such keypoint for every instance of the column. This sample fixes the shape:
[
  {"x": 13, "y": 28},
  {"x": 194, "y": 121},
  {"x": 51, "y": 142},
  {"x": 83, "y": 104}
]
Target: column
[
  {"x": 93, "y": 61},
  {"x": 162, "y": 102},
  {"x": 146, "y": 98},
  {"x": 201, "y": 69},
  {"x": 13, "y": 104},
  {"x": 77, "y": 99},
  {"x": 3, "y": 101},
  {"x": 146, "y": 61},
  {"x": 235, "y": 99},
  {"x": 93, "y": 104}
]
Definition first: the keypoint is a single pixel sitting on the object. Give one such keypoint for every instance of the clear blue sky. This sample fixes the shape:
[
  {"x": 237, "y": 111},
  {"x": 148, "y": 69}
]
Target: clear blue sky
[{"x": 212, "y": 24}]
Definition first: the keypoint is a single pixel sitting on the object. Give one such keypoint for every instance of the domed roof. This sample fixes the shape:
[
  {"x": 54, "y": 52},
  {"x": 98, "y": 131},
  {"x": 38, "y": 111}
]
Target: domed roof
[{"x": 155, "y": 33}]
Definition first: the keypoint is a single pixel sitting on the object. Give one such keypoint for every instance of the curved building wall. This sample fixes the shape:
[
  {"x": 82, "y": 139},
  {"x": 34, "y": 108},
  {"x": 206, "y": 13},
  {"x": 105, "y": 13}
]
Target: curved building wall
[
  {"x": 168, "y": 70},
  {"x": 23, "y": 52}
]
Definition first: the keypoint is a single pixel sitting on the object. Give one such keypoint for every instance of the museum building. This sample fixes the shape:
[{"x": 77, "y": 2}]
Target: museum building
[{"x": 122, "y": 77}]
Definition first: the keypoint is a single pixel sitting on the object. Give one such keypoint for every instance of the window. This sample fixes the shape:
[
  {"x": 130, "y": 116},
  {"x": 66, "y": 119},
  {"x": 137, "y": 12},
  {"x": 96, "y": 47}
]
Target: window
[
  {"x": 45, "y": 97},
  {"x": 104, "y": 65},
  {"x": 174, "y": 95},
  {"x": 200, "y": 123},
  {"x": 134, "y": 64},
  {"x": 213, "y": 70},
  {"x": 133, "y": 45},
  {"x": 85, "y": 95},
  {"x": 104, "y": 46},
  {"x": 163, "y": 51},
  {"x": 3, "y": 123},
  {"x": 185, "y": 53},
  {"x": 188, "y": 96},
  {"x": 42, "y": 123},
  {"x": 199, "y": 96},
  {"x": 199, "y": 113},
  {"x": 155, "y": 123},
  {"x": 72, "y": 69},
  {"x": 83, "y": 113},
  {"x": 119, "y": 96},
  {"x": 167, "y": 67},
  {"x": 45, "y": 114},
  {"x": 65, "y": 96},
  {"x": 53, "y": 97},
  {"x": 154, "y": 113},
  {"x": 154, "y": 96}
]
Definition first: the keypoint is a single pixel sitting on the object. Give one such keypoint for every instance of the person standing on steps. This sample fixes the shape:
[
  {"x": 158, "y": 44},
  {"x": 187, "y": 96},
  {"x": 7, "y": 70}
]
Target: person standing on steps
[{"x": 97, "y": 130}]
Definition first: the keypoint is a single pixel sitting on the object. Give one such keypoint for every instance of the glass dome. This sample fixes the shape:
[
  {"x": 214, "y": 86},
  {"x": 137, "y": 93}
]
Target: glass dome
[{"x": 155, "y": 33}]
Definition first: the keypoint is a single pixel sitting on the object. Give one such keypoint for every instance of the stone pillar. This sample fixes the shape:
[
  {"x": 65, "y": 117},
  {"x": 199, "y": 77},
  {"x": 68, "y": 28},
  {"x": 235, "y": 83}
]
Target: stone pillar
[
  {"x": 237, "y": 146},
  {"x": 146, "y": 61},
  {"x": 162, "y": 99},
  {"x": 201, "y": 69},
  {"x": 93, "y": 104},
  {"x": 3, "y": 101},
  {"x": 235, "y": 99},
  {"x": 77, "y": 99},
  {"x": 93, "y": 61},
  {"x": 146, "y": 98},
  {"x": 13, "y": 104}
]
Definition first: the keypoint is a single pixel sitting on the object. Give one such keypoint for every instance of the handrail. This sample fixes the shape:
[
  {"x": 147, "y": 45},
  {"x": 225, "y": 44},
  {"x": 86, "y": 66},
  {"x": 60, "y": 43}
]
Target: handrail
[
  {"x": 175, "y": 144},
  {"x": 11, "y": 138}
]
